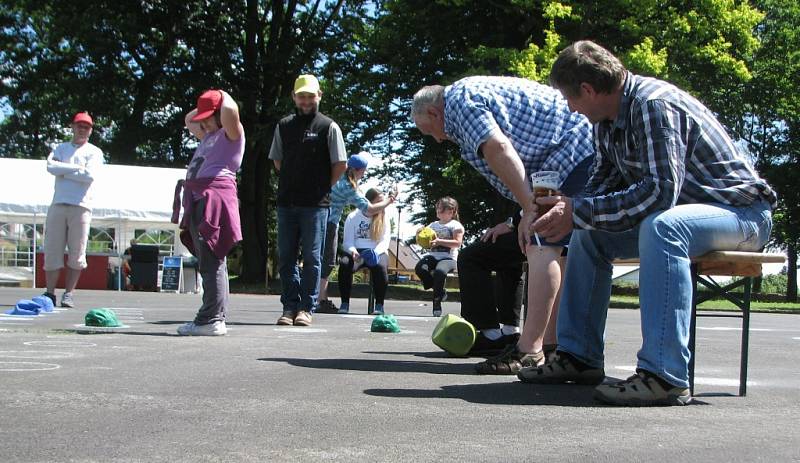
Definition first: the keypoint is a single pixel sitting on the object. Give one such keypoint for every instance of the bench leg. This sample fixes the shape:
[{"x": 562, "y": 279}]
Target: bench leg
[
  {"x": 693, "y": 328},
  {"x": 745, "y": 336},
  {"x": 371, "y": 301}
]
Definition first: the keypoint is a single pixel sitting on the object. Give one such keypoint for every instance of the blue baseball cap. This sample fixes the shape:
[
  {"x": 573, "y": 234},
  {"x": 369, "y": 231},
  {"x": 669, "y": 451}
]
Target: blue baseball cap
[{"x": 358, "y": 161}]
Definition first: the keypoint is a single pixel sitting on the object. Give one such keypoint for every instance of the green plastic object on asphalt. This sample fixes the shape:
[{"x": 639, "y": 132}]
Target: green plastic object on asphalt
[
  {"x": 454, "y": 335},
  {"x": 102, "y": 317},
  {"x": 385, "y": 324}
]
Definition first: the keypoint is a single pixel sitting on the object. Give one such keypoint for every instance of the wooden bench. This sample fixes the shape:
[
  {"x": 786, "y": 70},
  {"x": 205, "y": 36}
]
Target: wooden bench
[{"x": 723, "y": 263}]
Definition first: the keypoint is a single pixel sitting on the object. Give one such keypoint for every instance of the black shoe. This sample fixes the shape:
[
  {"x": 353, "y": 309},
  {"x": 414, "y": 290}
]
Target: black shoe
[
  {"x": 437, "y": 308},
  {"x": 51, "y": 296},
  {"x": 485, "y": 347},
  {"x": 327, "y": 306}
]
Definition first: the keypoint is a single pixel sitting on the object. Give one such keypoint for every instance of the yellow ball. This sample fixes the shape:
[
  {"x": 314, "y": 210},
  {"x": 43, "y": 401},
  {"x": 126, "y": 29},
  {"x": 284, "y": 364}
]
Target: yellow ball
[{"x": 425, "y": 236}]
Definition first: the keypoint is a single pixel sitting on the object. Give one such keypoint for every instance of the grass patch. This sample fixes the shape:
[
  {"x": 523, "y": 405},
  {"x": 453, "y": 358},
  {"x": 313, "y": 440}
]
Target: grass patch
[
  {"x": 237, "y": 286},
  {"x": 632, "y": 302}
]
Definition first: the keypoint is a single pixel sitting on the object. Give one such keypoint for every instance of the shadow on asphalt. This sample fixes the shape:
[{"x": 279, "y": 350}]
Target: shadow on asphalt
[
  {"x": 389, "y": 366},
  {"x": 433, "y": 354},
  {"x": 507, "y": 393},
  {"x": 510, "y": 393}
]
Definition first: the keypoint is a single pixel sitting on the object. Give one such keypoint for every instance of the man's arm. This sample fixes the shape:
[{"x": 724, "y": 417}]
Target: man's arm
[
  {"x": 337, "y": 153},
  {"x": 87, "y": 173},
  {"x": 58, "y": 168},
  {"x": 504, "y": 161},
  {"x": 658, "y": 171},
  {"x": 337, "y": 169},
  {"x": 276, "y": 150}
]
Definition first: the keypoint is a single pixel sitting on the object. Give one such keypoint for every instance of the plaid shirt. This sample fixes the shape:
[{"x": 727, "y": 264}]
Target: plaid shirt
[
  {"x": 664, "y": 148},
  {"x": 343, "y": 194},
  {"x": 543, "y": 131}
]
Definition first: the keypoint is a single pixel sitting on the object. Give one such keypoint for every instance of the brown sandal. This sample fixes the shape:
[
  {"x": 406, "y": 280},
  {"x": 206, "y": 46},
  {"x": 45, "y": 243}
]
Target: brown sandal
[{"x": 508, "y": 362}]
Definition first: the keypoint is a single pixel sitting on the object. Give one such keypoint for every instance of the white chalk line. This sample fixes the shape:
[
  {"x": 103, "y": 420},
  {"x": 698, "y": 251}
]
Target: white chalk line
[
  {"x": 60, "y": 343},
  {"x": 38, "y": 366},
  {"x": 35, "y": 354}
]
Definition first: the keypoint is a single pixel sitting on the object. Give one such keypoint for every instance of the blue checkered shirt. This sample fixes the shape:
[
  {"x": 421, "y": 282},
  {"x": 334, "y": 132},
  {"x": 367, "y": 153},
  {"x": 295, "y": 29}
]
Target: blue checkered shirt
[
  {"x": 534, "y": 117},
  {"x": 343, "y": 194},
  {"x": 664, "y": 148}
]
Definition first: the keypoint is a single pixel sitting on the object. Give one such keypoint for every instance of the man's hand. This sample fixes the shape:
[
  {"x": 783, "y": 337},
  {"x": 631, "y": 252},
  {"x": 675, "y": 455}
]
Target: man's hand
[
  {"x": 494, "y": 232},
  {"x": 556, "y": 223},
  {"x": 356, "y": 255}
]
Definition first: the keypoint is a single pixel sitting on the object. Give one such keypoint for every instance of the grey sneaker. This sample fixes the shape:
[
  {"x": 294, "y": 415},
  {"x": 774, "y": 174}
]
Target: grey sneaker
[
  {"x": 642, "y": 390},
  {"x": 212, "y": 329},
  {"x": 66, "y": 300},
  {"x": 561, "y": 370}
]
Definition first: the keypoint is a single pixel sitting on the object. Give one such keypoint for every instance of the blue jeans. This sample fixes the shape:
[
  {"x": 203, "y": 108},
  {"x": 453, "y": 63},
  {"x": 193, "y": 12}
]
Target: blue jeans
[
  {"x": 300, "y": 227},
  {"x": 664, "y": 242}
]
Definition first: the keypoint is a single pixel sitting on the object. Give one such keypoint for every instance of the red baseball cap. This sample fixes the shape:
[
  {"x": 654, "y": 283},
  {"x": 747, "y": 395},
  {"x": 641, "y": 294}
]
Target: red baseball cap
[
  {"x": 83, "y": 117},
  {"x": 208, "y": 102}
]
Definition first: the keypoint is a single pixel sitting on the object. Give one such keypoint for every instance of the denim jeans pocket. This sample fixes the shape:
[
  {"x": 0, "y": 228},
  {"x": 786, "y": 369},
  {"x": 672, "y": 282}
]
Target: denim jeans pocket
[{"x": 756, "y": 229}]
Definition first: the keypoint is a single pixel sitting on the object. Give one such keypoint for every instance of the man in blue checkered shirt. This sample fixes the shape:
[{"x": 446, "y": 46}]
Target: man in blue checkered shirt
[
  {"x": 669, "y": 185},
  {"x": 508, "y": 128}
]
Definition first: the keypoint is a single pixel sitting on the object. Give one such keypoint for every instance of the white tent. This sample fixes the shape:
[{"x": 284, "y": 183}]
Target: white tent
[{"x": 124, "y": 197}]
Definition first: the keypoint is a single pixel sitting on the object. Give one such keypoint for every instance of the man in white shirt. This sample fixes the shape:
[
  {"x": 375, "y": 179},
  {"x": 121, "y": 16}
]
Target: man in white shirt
[{"x": 74, "y": 165}]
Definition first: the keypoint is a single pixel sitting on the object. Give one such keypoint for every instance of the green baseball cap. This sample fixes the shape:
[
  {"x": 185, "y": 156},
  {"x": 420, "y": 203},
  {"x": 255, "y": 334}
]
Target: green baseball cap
[
  {"x": 102, "y": 317},
  {"x": 385, "y": 324}
]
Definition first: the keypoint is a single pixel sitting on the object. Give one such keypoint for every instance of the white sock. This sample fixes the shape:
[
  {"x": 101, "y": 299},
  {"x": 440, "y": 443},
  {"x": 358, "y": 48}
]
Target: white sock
[
  {"x": 493, "y": 334},
  {"x": 509, "y": 330}
]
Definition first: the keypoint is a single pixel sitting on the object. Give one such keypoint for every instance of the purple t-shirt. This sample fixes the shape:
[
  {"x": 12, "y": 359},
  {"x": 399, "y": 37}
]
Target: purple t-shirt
[{"x": 216, "y": 156}]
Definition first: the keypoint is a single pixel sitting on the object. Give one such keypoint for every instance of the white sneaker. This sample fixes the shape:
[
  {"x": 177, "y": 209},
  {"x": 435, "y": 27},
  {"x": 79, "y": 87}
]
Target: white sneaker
[
  {"x": 212, "y": 329},
  {"x": 66, "y": 300}
]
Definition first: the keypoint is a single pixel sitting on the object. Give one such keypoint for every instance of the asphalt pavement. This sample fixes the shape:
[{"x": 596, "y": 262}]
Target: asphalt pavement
[{"x": 337, "y": 392}]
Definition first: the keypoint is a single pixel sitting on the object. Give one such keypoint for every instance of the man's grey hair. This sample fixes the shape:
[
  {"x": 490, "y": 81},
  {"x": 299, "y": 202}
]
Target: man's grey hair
[{"x": 430, "y": 95}]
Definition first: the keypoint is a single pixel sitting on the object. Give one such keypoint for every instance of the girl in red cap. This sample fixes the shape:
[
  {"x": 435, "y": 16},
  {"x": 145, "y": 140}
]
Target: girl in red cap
[{"x": 210, "y": 225}]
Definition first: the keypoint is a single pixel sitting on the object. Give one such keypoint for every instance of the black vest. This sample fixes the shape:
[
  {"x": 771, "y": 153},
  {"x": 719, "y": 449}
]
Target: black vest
[{"x": 305, "y": 175}]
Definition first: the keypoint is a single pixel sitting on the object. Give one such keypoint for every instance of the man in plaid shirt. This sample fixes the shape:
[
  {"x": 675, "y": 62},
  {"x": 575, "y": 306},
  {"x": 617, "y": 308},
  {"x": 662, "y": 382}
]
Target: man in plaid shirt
[
  {"x": 508, "y": 128},
  {"x": 669, "y": 185}
]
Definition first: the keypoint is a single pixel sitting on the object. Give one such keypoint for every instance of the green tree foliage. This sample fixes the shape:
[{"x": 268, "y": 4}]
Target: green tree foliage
[
  {"x": 703, "y": 47},
  {"x": 770, "y": 120},
  {"x": 139, "y": 66}
]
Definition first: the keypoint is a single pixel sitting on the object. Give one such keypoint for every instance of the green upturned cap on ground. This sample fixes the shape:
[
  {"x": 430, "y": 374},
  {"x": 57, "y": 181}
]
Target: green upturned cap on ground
[
  {"x": 102, "y": 317},
  {"x": 454, "y": 335},
  {"x": 385, "y": 324}
]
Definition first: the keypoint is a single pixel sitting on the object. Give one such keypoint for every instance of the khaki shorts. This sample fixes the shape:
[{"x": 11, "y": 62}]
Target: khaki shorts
[{"x": 66, "y": 226}]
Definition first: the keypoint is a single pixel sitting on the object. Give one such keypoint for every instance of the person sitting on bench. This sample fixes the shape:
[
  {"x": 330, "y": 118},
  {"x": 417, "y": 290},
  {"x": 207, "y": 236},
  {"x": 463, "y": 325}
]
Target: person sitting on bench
[
  {"x": 669, "y": 185},
  {"x": 366, "y": 244}
]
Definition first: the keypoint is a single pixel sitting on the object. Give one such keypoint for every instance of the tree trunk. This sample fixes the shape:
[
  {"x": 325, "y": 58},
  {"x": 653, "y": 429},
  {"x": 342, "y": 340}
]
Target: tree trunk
[
  {"x": 791, "y": 274},
  {"x": 253, "y": 212}
]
